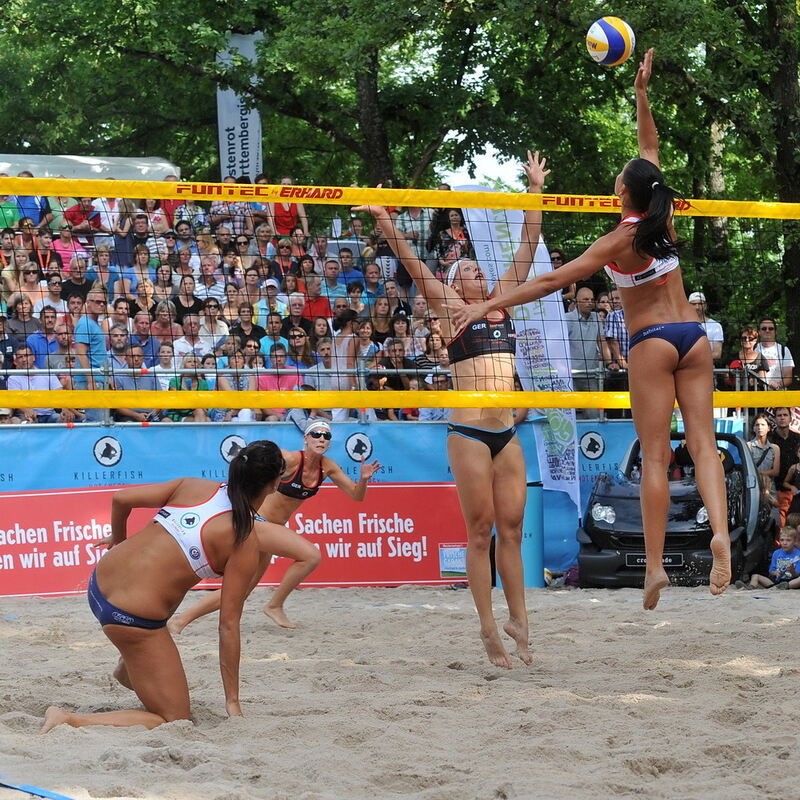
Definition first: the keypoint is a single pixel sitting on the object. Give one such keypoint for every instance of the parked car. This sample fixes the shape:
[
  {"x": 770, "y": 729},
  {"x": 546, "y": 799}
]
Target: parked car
[{"x": 611, "y": 539}]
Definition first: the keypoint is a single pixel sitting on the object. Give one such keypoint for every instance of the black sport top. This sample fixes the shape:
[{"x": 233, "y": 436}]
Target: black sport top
[
  {"x": 484, "y": 337},
  {"x": 294, "y": 487}
]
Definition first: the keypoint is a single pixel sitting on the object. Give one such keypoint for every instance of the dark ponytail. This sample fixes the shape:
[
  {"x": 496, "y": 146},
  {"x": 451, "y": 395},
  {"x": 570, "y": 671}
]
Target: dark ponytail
[
  {"x": 649, "y": 193},
  {"x": 250, "y": 470}
]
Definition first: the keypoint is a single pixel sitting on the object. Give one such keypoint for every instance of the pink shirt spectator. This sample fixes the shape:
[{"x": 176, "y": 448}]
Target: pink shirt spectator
[{"x": 279, "y": 383}]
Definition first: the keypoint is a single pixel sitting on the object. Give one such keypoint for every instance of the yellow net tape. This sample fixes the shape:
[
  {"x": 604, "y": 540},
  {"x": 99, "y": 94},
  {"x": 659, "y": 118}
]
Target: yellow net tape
[
  {"x": 347, "y": 196},
  {"x": 363, "y": 399}
]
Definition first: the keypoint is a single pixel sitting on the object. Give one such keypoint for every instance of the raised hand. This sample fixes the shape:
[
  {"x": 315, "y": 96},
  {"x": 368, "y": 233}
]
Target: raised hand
[
  {"x": 644, "y": 71},
  {"x": 368, "y": 470},
  {"x": 535, "y": 170},
  {"x": 376, "y": 211}
]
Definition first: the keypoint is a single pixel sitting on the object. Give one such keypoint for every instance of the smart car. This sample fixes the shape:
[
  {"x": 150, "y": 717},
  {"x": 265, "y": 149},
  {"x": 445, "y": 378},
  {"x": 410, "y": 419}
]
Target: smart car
[{"x": 611, "y": 539}]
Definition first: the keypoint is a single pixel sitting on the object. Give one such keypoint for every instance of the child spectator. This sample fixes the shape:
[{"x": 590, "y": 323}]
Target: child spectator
[{"x": 782, "y": 568}]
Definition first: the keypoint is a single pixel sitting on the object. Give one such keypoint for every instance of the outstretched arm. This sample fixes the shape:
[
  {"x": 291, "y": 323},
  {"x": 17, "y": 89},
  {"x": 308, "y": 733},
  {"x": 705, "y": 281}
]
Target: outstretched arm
[
  {"x": 432, "y": 289},
  {"x": 645, "y": 124},
  {"x": 600, "y": 253},
  {"x": 357, "y": 491},
  {"x": 531, "y": 228}
]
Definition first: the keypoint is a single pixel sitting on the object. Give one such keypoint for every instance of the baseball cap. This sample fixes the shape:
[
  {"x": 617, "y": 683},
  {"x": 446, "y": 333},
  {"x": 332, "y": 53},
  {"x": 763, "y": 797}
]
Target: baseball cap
[
  {"x": 272, "y": 282},
  {"x": 697, "y": 297}
]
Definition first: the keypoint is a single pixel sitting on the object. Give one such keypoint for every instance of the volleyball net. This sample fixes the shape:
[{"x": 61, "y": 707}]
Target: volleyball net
[{"x": 202, "y": 288}]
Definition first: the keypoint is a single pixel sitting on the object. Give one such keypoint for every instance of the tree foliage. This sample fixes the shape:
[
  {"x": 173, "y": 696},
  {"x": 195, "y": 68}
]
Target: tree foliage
[{"x": 371, "y": 90}]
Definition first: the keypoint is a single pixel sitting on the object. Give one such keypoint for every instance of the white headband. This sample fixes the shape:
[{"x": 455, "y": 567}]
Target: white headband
[{"x": 451, "y": 274}]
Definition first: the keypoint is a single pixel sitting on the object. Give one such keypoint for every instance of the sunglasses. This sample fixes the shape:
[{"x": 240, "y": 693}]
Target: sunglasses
[
  {"x": 29, "y": 272},
  {"x": 170, "y": 236},
  {"x": 320, "y": 435},
  {"x": 767, "y": 328},
  {"x": 213, "y": 305},
  {"x": 284, "y": 247},
  {"x": 297, "y": 336},
  {"x": 242, "y": 241},
  {"x": 749, "y": 338}
]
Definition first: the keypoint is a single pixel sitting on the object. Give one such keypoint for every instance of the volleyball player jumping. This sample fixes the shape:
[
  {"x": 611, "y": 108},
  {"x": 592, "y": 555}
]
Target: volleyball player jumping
[
  {"x": 669, "y": 354},
  {"x": 484, "y": 453}
]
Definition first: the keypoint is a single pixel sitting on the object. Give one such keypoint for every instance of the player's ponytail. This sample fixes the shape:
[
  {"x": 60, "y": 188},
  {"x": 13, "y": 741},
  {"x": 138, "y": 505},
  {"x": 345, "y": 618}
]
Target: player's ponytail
[
  {"x": 649, "y": 193},
  {"x": 250, "y": 470}
]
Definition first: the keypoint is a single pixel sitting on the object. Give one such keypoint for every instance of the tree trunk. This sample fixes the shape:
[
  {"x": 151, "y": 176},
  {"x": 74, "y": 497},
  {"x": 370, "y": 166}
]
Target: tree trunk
[
  {"x": 371, "y": 124},
  {"x": 785, "y": 95}
]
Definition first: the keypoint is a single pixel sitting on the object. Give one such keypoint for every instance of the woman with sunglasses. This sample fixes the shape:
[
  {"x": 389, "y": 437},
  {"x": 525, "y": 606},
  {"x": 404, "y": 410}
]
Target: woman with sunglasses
[
  {"x": 669, "y": 357},
  {"x": 305, "y": 472},
  {"x": 242, "y": 245},
  {"x": 26, "y": 238},
  {"x": 30, "y": 282},
  {"x": 284, "y": 262},
  {"x": 213, "y": 331},
  {"x": 142, "y": 579},
  {"x": 750, "y": 362},
  {"x": 300, "y": 355}
]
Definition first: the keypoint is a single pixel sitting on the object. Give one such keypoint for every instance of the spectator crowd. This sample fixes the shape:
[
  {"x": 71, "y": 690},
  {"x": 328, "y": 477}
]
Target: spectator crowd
[{"x": 166, "y": 295}]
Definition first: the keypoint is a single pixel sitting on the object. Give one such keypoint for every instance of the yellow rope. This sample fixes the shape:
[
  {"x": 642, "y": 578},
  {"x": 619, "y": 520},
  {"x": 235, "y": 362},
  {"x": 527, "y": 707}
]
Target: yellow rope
[
  {"x": 347, "y": 196},
  {"x": 363, "y": 399}
]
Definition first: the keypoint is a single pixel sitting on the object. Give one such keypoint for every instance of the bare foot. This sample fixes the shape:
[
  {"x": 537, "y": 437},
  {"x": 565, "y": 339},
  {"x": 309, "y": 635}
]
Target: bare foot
[
  {"x": 52, "y": 717},
  {"x": 175, "y": 624},
  {"x": 654, "y": 582},
  {"x": 121, "y": 674},
  {"x": 519, "y": 633},
  {"x": 720, "y": 576},
  {"x": 278, "y": 615},
  {"x": 495, "y": 650}
]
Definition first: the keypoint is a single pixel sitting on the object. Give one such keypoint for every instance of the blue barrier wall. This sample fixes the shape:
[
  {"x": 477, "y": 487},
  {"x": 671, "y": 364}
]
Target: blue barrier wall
[{"x": 34, "y": 458}]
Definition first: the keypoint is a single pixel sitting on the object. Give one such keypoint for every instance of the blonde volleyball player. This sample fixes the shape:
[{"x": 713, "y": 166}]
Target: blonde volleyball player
[
  {"x": 202, "y": 529},
  {"x": 669, "y": 354},
  {"x": 483, "y": 450},
  {"x": 305, "y": 471}
]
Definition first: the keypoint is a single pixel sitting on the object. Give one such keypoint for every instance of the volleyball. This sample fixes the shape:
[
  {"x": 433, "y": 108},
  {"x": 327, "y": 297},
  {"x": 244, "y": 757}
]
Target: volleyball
[{"x": 610, "y": 41}]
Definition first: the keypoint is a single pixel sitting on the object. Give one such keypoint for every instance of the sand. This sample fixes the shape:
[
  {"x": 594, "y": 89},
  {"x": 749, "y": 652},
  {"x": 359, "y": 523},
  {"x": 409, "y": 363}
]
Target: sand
[{"x": 387, "y": 693}]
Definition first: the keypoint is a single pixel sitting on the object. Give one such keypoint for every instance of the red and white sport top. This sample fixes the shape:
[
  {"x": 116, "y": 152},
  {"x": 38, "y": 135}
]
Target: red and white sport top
[
  {"x": 185, "y": 524},
  {"x": 657, "y": 268}
]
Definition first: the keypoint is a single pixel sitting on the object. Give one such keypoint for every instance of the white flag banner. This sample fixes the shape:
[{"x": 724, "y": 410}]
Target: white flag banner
[
  {"x": 543, "y": 361},
  {"x": 239, "y": 127}
]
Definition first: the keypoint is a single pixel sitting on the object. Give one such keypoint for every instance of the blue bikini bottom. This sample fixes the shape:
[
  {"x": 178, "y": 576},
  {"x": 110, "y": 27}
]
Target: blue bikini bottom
[
  {"x": 681, "y": 335},
  {"x": 108, "y": 614}
]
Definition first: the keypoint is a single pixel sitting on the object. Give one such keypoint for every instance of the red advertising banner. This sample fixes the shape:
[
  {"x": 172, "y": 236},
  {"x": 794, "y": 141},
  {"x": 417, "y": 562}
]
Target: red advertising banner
[{"x": 402, "y": 533}]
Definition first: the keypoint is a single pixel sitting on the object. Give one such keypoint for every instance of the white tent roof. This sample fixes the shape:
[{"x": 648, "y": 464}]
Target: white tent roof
[{"x": 133, "y": 169}]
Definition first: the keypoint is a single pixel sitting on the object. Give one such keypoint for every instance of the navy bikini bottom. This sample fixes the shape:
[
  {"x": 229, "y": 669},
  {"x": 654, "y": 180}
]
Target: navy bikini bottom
[
  {"x": 681, "y": 335},
  {"x": 494, "y": 440},
  {"x": 108, "y": 614}
]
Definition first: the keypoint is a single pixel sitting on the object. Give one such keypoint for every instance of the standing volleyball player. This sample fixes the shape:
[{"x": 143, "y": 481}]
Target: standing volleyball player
[
  {"x": 484, "y": 453},
  {"x": 669, "y": 354},
  {"x": 304, "y": 473}
]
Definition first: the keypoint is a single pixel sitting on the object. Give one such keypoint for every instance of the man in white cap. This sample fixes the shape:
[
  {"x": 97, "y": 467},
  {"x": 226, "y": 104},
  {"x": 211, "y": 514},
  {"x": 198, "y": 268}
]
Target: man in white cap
[{"x": 712, "y": 328}]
